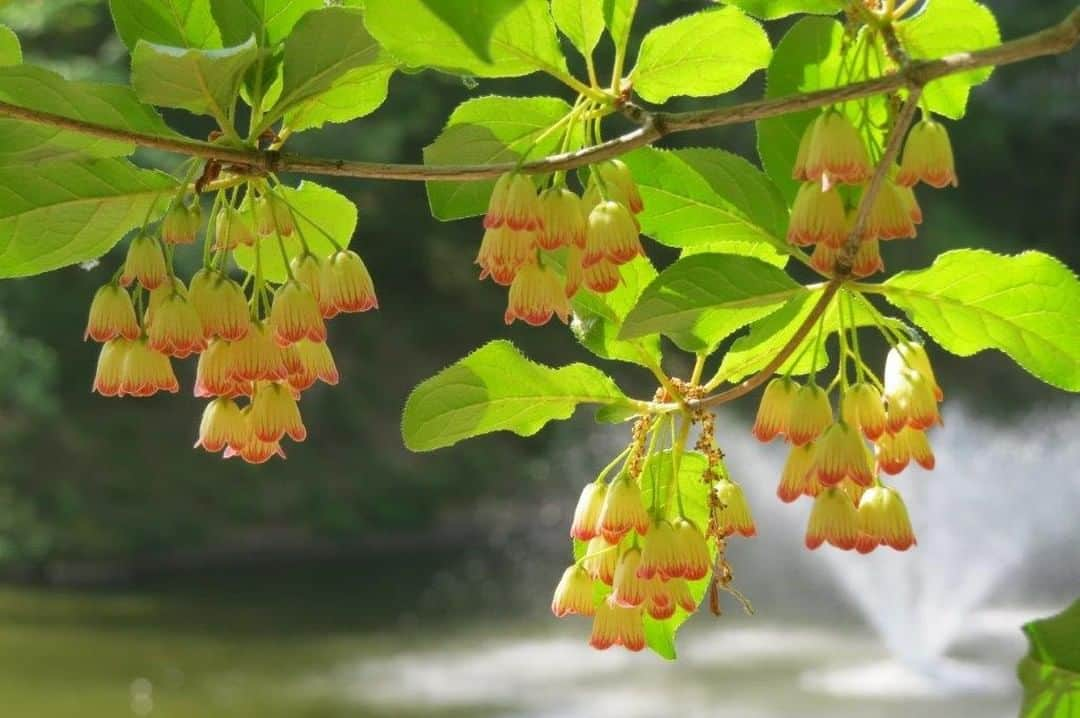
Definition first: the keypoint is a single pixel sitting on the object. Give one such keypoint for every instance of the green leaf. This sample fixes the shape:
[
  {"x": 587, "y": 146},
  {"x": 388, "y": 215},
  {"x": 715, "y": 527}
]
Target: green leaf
[
  {"x": 177, "y": 23},
  {"x": 700, "y": 300},
  {"x": 580, "y": 20},
  {"x": 357, "y": 93},
  {"x": 489, "y": 130},
  {"x": 683, "y": 207},
  {"x": 68, "y": 212},
  {"x": 497, "y": 389},
  {"x": 943, "y": 28},
  {"x": 318, "y": 211},
  {"x": 598, "y": 318},
  {"x": 1025, "y": 305},
  {"x": 806, "y": 59},
  {"x": 205, "y": 82},
  {"x": 112, "y": 106},
  {"x": 485, "y": 38},
  {"x": 10, "y": 49},
  {"x": 704, "y": 54},
  {"x": 619, "y": 17},
  {"x": 773, "y": 9},
  {"x": 1050, "y": 673},
  {"x": 269, "y": 21}
]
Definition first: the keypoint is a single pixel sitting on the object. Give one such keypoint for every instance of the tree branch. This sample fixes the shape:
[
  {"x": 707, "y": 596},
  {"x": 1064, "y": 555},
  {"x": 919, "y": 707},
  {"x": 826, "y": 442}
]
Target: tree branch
[{"x": 1054, "y": 40}]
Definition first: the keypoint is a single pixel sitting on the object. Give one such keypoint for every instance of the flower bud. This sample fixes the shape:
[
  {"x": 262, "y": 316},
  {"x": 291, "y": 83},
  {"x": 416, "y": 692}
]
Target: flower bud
[
  {"x": 661, "y": 555},
  {"x": 817, "y": 217},
  {"x": 836, "y": 153},
  {"x": 144, "y": 263},
  {"x": 928, "y": 156},
  {"x": 222, "y": 425},
  {"x": 734, "y": 516},
  {"x": 574, "y": 594},
  {"x": 112, "y": 315},
  {"x": 586, "y": 523},
  {"x": 536, "y": 294},
  {"x": 774, "y": 412},
  {"x": 617, "y": 626},
  {"x": 564, "y": 222},
  {"x": 862, "y": 407},
  {"x": 146, "y": 371},
  {"x": 274, "y": 414},
  {"x": 622, "y": 511},
  {"x": 110, "y": 367},
  {"x": 295, "y": 315},
  {"x": 883, "y": 521},
  {"x": 612, "y": 235},
  {"x": 693, "y": 549},
  {"x": 833, "y": 519},
  {"x": 798, "y": 478},
  {"x": 629, "y": 588},
  {"x": 811, "y": 414}
]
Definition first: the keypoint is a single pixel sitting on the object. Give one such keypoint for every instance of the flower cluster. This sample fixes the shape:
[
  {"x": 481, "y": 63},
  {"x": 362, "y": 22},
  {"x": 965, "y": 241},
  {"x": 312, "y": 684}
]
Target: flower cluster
[
  {"x": 831, "y": 461},
  {"x": 546, "y": 246},
  {"x": 263, "y": 350},
  {"x": 832, "y": 154}
]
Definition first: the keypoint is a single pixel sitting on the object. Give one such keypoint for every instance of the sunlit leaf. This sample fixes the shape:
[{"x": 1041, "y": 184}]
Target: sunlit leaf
[
  {"x": 580, "y": 20},
  {"x": 1050, "y": 673},
  {"x": 773, "y": 9},
  {"x": 10, "y": 49},
  {"x": 177, "y": 23}
]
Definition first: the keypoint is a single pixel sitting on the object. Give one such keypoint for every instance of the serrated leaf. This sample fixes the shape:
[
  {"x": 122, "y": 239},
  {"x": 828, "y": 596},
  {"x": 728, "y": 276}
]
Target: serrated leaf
[
  {"x": 112, "y": 106},
  {"x": 945, "y": 27},
  {"x": 497, "y": 389},
  {"x": 485, "y": 38},
  {"x": 269, "y": 21},
  {"x": 580, "y": 20},
  {"x": 1050, "y": 673},
  {"x": 700, "y": 300},
  {"x": 489, "y": 130},
  {"x": 774, "y": 9},
  {"x": 10, "y": 49},
  {"x": 700, "y": 55},
  {"x": 355, "y": 94},
  {"x": 68, "y": 212},
  {"x": 619, "y": 17},
  {"x": 205, "y": 82},
  {"x": 318, "y": 211},
  {"x": 176, "y": 23},
  {"x": 598, "y": 318},
  {"x": 1025, "y": 306},
  {"x": 683, "y": 208}
]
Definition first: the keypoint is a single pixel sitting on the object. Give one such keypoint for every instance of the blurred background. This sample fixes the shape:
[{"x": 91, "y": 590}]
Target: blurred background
[{"x": 140, "y": 577}]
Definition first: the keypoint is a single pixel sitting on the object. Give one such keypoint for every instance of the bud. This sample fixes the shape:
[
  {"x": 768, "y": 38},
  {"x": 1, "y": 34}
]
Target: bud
[
  {"x": 222, "y": 425},
  {"x": 231, "y": 231},
  {"x": 909, "y": 393},
  {"x": 213, "y": 373},
  {"x": 891, "y": 215},
  {"x": 774, "y": 412},
  {"x": 811, "y": 414},
  {"x": 619, "y": 181},
  {"x": 817, "y": 217},
  {"x": 602, "y": 277},
  {"x": 586, "y": 523},
  {"x": 600, "y": 559},
  {"x": 679, "y": 591},
  {"x": 836, "y": 153},
  {"x": 502, "y": 252},
  {"x": 274, "y": 413},
  {"x": 622, "y": 511},
  {"x": 629, "y": 588},
  {"x": 110, "y": 367},
  {"x": 314, "y": 363},
  {"x": 841, "y": 454},
  {"x": 868, "y": 259},
  {"x": 536, "y": 294},
  {"x": 833, "y": 519},
  {"x": 308, "y": 270},
  {"x": 144, "y": 263},
  {"x": 575, "y": 275},
  {"x": 295, "y": 315},
  {"x": 617, "y": 626},
  {"x": 257, "y": 357},
  {"x": 112, "y": 315},
  {"x": 661, "y": 556},
  {"x": 797, "y": 478},
  {"x": 693, "y": 550},
  {"x": 574, "y": 594},
  {"x": 863, "y": 408},
  {"x": 735, "y": 514},
  {"x": 146, "y": 372},
  {"x": 177, "y": 227},
  {"x": 349, "y": 287},
  {"x": 564, "y": 222},
  {"x": 612, "y": 235},
  {"x": 928, "y": 156},
  {"x": 883, "y": 521}
]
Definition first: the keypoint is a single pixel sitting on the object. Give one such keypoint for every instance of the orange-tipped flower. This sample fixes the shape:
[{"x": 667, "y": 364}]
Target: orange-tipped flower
[
  {"x": 231, "y": 230},
  {"x": 295, "y": 315},
  {"x": 586, "y": 523},
  {"x": 891, "y": 215},
  {"x": 158, "y": 297},
  {"x": 824, "y": 259},
  {"x": 833, "y": 519},
  {"x": 909, "y": 394},
  {"x": 536, "y": 294},
  {"x": 811, "y": 414},
  {"x": 617, "y": 626},
  {"x": 774, "y": 412},
  {"x": 146, "y": 371},
  {"x": 502, "y": 251},
  {"x": 175, "y": 328},
  {"x": 661, "y": 556},
  {"x": 314, "y": 363},
  {"x": 222, "y": 425},
  {"x": 612, "y": 235},
  {"x": 602, "y": 277},
  {"x": 564, "y": 222},
  {"x": 574, "y": 594},
  {"x": 110, "y": 366},
  {"x": 863, "y": 408},
  {"x": 914, "y": 356},
  {"x": 928, "y": 156},
  {"x": 693, "y": 550},
  {"x": 274, "y": 413},
  {"x": 112, "y": 315},
  {"x": 868, "y": 259},
  {"x": 798, "y": 478},
  {"x": 575, "y": 275},
  {"x": 348, "y": 286},
  {"x": 273, "y": 216},
  {"x": 619, "y": 181},
  {"x": 623, "y": 511},
  {"x": 214, "y": 372},
  {"x": 817, "y": 216},
  {"x": 798, "y": 171},
  {"x": 883, "y": 521},
  {"x": 309, "y": 271},
  {"x": 144, "y": 263},
  {"x": 254, "y": 451},
  {"x": 735, "y": 516},
  {"x": 496, "y": 216},
  {"x": 895, "y": 451},
  {"x": 220, "y": 304},
  {"x": 257, "y": 357},
  {"x": 180, "y": 225},
  {"x": 679, "y": 591},
  {"x": 600, "y": 559},
  {"x": 629, "y": 588},
  {"x": 841, "y": 455},
  {"x": 659, "y": 602},
  {"x": 836, "y": 153},
  {"x": 514, "y": 204}
]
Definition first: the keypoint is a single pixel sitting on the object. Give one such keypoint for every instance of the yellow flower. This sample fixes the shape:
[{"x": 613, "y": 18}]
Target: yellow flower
[
  {"x": 833, "y": 519},
  {"x": 628, "y": 589},
  {"x": 928, "y": 156},
  {"x": 112, "y": 315},
  {"x": 574, "y": 594},
  {"x": 817, "y": 216},
  {"x": 612, "y": 235},
  {"x": 295, "y": 315},
  {"x": 622, "y": 511},
  {"x": 836, "y": 153},
  {"x": 586, "y": 522},
  {"x": 146, "y": 371},
  {"x": 617, "y": 626},
  {"x": 274, "y": 413},
  {"x": 734, "y": 516},
  {"x": 811, "y": 414},
  {"x": 109, "y": 376},
  {"x": 564, "y": 222},
  {"x": 222, "y": 425},
  {"x": 883, "y": 521},
  {"x": 798, "y": 478},
  {"x": 693, "y": 550},
  {"x": 662, "y": 555},
  {"x": 619, "y": 181},
  {"x": 144, "y": 263},
  {"x": 349, "y": 286},
  {"x": 314, "y": 363},
  {"x": 536, "y": 294},
  {"x": 863, "y": 408},
  {"x": 774, "y": 411},
  {"x": 175, "y": 328}
]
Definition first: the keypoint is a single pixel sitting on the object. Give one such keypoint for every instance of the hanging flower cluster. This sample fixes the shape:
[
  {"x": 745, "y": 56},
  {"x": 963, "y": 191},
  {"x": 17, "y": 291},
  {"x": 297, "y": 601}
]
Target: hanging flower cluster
[
  {"x": 529, "y": 236},
  {"x": 256, "y": 343}
]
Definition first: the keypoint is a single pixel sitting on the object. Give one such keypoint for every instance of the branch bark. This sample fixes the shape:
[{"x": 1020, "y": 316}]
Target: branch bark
[{"x": 1051, "y": 41}]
